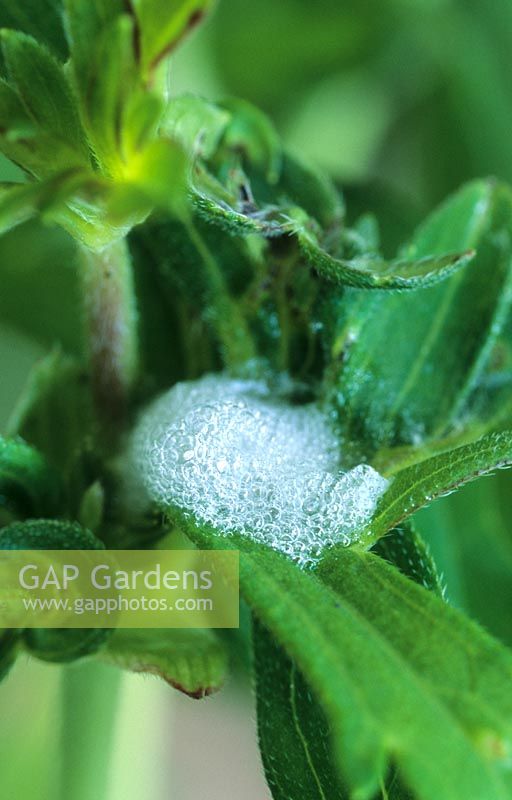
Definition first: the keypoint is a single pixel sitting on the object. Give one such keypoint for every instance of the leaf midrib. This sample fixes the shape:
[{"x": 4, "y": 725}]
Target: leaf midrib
[{"x": 414, "y": 679}]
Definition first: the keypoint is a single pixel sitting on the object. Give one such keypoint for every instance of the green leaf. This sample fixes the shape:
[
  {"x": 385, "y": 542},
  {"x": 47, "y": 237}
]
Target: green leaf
[
  {"x": 46, "y": 96},
  {"x": 90, "y": 214},
  {"x": 367, "y": 228},
  {"x": 101, "y": 40},
  {"x": 192, "y": 661},
  {"x": 41, "y": 19},
  {"x": 159, "y": 311},
  {"x": 157, "y": 178},
  {"x": 110, "y": 85},
  {"x": 57, "y": 645},
  {"x": 55, "y": 414},
  {"x": 405, "y": 549},
  {"x": 48, "y": 534},
  {"x": 491, "y": 402},
  {"x": 284, "y": 189},
  {"x": 28, "y": 485},
  {"x": 142, "y": 117},
  {"x": 197, "y": 124},
  {"x": 304, "y": 185},
  {"x": 456, "y": 663},
  {"x": 387, "y": 351},
  {"x": 111, "y": 79},
  {"x": 73, "y": 198},
  {"x": 416, "y": 486},
  {"x": 398, "y": 673},
  {"x": 18, "y": 204},
  {"x": 243, "y": 182},
  {"x": 373, "y": 272},
  {"x": 21, "y": 202},
  {"x": 84, "y": 23},
  {"x": 163, "y": 24},
  {"x": 293, "y": 732},
  {"x": 64, "y": 645},
  {"x": 391, "y": 460},
  {"x": 194, "y": 264},
  {"x": 295, "y": 737},
  {"x": 214, "y": 205},
  {"x": 251, "y": 133},
  {"x": 225, "y": 207},
  {"x": 290, "y": 721},
  {"x": 18, "y": 140}
]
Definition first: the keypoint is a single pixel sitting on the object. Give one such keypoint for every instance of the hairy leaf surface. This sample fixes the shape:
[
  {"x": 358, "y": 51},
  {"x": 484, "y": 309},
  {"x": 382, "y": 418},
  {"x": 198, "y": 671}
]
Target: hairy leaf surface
[
  {"x": 373, "y": 272},
  {"x": 46, "y": 95},
  {"x": 294, "y": 734},
  {"x": 192, "y": 661},
  {"x": 416, "y": 486},
  {"x": 41, "y": 19},
  {"x": 398, "y": 673},
  {"x": 405, "y": 364}
]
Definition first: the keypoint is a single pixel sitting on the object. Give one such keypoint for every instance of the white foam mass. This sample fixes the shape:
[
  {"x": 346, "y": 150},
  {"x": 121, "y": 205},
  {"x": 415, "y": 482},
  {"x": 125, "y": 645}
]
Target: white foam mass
[{"x": 231, "y": 454}]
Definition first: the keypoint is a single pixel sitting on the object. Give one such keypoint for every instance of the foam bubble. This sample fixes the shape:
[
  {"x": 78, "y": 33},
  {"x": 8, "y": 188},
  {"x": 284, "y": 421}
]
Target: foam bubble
[{"x": 234, "y": 455}]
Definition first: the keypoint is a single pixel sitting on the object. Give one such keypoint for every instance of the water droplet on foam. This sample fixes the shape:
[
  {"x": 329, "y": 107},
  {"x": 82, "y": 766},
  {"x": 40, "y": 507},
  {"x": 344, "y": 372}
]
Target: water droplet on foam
[{"x": 227, "y": 453}]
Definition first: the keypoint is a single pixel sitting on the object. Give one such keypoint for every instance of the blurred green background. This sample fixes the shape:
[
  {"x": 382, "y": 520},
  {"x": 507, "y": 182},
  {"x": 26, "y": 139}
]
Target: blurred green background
[
  {"x": 400, "y": 101},
  {"x": 407, "y": 98}
]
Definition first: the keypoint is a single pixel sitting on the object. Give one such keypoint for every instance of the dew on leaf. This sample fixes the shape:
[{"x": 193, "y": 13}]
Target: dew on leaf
[{"x": 233, "y": 455}]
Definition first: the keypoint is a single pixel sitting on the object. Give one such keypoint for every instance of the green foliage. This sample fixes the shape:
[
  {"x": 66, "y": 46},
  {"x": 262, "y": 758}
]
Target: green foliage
[
  {"x": 55, "y": 414},
  {"x": 369, "y": 684},
  {"x": 405, "y": 549},
  {"x": 353, "y": 632},
  {"x": 46, "y": 95},
  {"x": 28, "y": 485},
  {"x": 86, "y": 27},
  {"x": 163, "y": 24},
  {"x": 160, "y": 165},
  {"x": 41, "y": 19},
  {"x": 64, "y": 645},
  {"x": 192, "y": 661},
  {"x": 47, "y": 534},
  {"x": 21, "y": 203},
  {"x": 290, "y": 719},
  {"x": 96, "y": 138},
  {"x": 385, "y": 401},
  {"x": 417, "y": 485},
  {"x": 103, "y": 102},
  {"x": 55, "y": 644},
  {"x": 38, "y": 268},
  {"x": 197, "y": 267},
  {"x": 294, "y": 734},
  {"x": 197, "y": 124},
  {"x": 372, "y": 272},
  {"x": 18, "y": 130}
]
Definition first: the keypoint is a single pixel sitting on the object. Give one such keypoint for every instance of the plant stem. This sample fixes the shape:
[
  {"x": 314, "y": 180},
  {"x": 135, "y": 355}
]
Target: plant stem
[
  {"x": 110, "y": 327},
  {"x": 89, "y": 704}
]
